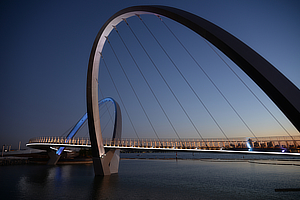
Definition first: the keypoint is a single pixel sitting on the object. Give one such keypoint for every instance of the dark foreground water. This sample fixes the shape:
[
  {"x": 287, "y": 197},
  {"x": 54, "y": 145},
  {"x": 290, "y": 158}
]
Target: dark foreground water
[{"x": 152, "y": 179}]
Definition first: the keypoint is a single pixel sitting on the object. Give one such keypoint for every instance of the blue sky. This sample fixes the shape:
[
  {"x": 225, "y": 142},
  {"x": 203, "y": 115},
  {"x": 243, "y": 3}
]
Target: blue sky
[{"x": 45, "y": 48}]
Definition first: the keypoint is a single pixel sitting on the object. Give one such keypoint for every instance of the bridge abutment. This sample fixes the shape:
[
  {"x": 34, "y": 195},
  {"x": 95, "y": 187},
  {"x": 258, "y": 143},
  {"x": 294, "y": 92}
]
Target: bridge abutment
[
  {"x": 108, "y": 163},
  {"x": 53, "y": 157}
]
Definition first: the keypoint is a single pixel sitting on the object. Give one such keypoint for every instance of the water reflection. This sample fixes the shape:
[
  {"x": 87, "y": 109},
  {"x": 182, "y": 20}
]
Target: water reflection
[
  {"x": 69, "y": 181},
  {"x": 42, "y": 181},
  {"x": 103, "y": 187},
  {"x": 34, "y": 180},
  {"x": 152, "y": 179}
]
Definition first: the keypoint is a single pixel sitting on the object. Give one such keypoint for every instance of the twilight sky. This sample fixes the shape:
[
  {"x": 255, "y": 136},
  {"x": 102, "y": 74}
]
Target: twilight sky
[{"x": 45, "y": 48}]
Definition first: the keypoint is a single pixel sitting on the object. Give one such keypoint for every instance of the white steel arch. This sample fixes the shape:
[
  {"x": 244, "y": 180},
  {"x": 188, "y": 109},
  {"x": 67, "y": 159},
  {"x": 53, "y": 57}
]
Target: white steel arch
[{"x": 280, "y": 90}]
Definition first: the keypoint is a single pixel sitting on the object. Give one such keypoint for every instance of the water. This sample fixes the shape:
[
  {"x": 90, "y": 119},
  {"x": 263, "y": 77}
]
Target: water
[{"x": 153, "y": 179}]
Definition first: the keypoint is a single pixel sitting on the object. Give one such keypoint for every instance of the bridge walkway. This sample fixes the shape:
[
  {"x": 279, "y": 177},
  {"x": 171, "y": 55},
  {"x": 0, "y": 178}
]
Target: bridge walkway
[{"x": 276, "y": 144}]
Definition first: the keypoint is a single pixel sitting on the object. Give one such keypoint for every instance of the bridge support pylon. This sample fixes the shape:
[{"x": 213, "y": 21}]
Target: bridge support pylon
[
  {"x": 108, "y": 163},
  {"x": 53, "y": 157}
]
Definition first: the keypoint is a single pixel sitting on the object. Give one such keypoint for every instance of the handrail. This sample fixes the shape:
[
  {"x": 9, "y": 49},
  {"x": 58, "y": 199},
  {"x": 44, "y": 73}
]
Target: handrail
[{"x": 266, "y": 143}]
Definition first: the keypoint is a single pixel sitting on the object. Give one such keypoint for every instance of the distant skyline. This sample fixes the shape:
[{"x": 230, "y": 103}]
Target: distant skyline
[{"x": 45, "y": 48}]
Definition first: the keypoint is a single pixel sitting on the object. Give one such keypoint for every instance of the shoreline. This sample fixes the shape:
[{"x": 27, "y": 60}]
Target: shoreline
[
  {"x": 254, "y": 161},
  {"x": 42, "y": 158}
]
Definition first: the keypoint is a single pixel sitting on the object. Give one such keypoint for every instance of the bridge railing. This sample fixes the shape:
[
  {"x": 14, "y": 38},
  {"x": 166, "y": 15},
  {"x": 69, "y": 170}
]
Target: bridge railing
[
  {"x": 174, "y": 143},
  {"x": 275, "y": 143},
  {"x": 61, "y": 140}
]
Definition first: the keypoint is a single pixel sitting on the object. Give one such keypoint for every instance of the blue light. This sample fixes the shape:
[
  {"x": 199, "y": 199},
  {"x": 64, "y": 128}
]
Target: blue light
[
  {"x": 73, "y": 132},
  {"x": 58, "y": 152},
  {"x": 248, "y": 145},
  {"x": 80, "y": 123}
]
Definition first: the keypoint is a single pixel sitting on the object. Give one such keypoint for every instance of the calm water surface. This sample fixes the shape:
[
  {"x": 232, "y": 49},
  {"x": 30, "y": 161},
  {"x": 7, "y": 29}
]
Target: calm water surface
[{"x": 152, "y": 179}]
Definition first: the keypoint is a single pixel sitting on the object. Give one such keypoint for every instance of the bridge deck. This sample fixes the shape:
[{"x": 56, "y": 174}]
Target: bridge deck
[{"x": 265, "y": 144}]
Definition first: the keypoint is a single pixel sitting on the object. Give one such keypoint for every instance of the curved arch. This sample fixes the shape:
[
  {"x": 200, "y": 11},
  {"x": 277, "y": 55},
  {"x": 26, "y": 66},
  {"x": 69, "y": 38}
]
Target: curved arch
[
  {"x": 117, "y": 132},
  {"x": 117, "y": 125},
  {"x": 279, "y": 89}
]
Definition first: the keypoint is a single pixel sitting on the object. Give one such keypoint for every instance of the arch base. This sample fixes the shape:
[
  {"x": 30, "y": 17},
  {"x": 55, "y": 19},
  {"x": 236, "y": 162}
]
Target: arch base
[
  {"x": 53, "y": 157},
  {"x": 107, "y": 164}
]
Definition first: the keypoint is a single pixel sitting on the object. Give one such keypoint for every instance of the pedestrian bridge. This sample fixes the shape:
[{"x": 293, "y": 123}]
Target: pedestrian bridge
[
  {"x": 263, "y": 145},
  {"x": 140, "y": 79}
]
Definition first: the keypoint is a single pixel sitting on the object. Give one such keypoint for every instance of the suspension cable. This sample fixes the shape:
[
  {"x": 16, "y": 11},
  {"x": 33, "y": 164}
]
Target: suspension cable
[
  {"x": 120, "y": 97},
  {"x": 217, "y": 88},
  {"x": 107, "y": 111},
  {"x": 134, "y": 91},
  {"x": 102, "y": 130},
  {"x": 251, "y": 91},
  {"x": 162, "y": 77},
  {"x": 187, "y": 84},
  {"x": 161, "y": 107},
  {"x": 87, "y": 131},
  {"x": 67, "y": 131},
  {"x": 105, "y": 105}
]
